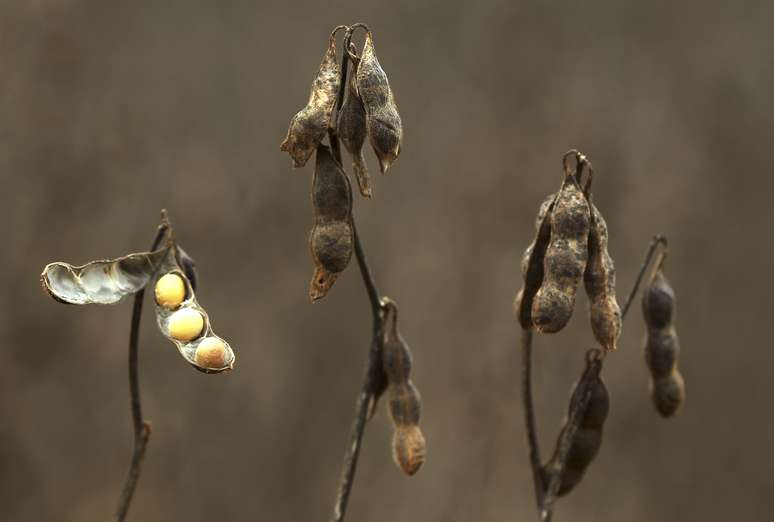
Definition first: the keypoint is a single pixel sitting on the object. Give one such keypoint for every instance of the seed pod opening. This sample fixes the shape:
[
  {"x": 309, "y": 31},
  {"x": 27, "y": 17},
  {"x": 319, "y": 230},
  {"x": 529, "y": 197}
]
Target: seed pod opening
[
  {"x": 351, "y": 129},
  {"x": 565, "y": 259},
  {"x": 309, "y": 126},
  {"x": 187, "y": 325},
  {"x": 385, "y": 129},
  {"x": 103, "y": 281}
]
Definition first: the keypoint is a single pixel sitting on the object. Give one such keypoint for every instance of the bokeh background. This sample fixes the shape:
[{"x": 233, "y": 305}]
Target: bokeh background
[{"x": 110, "y": 111}]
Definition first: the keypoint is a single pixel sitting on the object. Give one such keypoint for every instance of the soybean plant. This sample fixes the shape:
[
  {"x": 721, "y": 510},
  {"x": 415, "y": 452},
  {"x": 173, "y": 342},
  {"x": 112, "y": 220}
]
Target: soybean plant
[
  {"x": 179, "y": 316},
  {"x": 349, "y": 102},
  {"x": 570, "y": 244}
]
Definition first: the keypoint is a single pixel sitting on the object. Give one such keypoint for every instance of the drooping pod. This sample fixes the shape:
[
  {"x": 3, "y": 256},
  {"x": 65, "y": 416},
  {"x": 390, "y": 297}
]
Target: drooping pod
[
  {"x": 588, "y": 437},
  {"x": 565, "y": 258},
  {"x": 309, "y": 126},
  {"x": 101, "y": 282},
  {"x": 184, "y": 322},
  {"x": 662, "y": 346},
  {"x": 351, "y": 129},
  {"x": 408, "y": 443},
  {"x": 385, "y": 130},
  {"x": 532, "y": 264},
  {"x": 331, "y": 239},
  {"x": 599, "y": 279}
]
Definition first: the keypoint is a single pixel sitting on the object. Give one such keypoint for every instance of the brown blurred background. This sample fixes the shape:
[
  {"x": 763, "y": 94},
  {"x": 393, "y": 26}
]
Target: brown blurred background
[{"x": 110, "y": 112}]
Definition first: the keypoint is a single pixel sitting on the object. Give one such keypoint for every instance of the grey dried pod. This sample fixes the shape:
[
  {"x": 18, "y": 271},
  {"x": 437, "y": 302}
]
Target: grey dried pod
[
  {"x": 310, "y": 125},
  {"x": 532, "y": 264},
  {"x": 331, "y": 240},
  {"x": 351, "y": 128},
  {"x": 408, "y": 443},
  {"x": 588, "y": 437},
  {"x": 385, "y": 130},
  {"x": 662, "y": 346},
  {"x": 565, "y": 258},
  {"x": 599, "y": 279}
]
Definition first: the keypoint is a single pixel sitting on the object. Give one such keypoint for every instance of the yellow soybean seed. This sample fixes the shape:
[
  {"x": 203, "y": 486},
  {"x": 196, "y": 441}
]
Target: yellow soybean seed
[
  {"x": 211, "y": 353},
  {"x": 170, "y": 290},
  {"x": 186, "y": 324}
]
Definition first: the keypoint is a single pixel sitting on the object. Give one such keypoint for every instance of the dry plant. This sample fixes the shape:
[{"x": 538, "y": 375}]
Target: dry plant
[
  {"x": 349, "y": 101},
  {"x": 179, "y": 316},
  {"x": 570, "y": 245}
]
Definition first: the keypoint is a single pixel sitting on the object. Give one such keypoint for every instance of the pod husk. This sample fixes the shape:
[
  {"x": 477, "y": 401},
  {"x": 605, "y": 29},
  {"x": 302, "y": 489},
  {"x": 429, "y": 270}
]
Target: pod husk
[{"x": 351, "y": 130}]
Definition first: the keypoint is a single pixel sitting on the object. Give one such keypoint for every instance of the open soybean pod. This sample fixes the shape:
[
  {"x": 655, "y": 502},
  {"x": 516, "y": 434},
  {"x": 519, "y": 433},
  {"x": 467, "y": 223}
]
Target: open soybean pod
[
  {"x": 532, "y": 264},
  {"x": 184, "y": 322},
  {"x": 351, "y": 126},
  {"x": 408, "y": 443},
  {"x": 599, "y": 279},
  {"x": 588, "y": 437},
  {"x": 103, "y": 281},
  {"x": 385, "y": 129},
  {"x": 662, "y": 345},
  {"x": 331, "y": 240},
  {"x": 309, "y": 126},
  {"x": 565, "y": 258}
]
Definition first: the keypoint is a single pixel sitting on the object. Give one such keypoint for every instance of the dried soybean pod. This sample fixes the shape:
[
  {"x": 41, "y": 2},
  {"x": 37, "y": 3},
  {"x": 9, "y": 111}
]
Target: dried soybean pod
[
  {"x": 309, "y": 126},
  {"x": 565, "y": 258},
  {"x": 331, "y": 239},
  {"x": 599, "y": 279},
  {"x": 408, "y": 443},
  {"x": 351, "y": 129},
  {"x": 385, "y": 130},
  {"x": 532, "y": 264},
  {"x": 662, "y": 346},
  {"x": 588, "y": 437}
]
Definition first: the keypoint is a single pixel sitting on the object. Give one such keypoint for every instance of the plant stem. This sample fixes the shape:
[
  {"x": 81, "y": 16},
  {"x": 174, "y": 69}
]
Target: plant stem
[
  {"x": 547, "y": 481},
  {"x": 374, "y": 353},
  {"x": 141, "y": 427},
  {"x": 654, "y": 243}
]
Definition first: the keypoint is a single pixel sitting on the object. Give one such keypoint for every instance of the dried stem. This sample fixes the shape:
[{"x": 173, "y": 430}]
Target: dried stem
[
  {"x": 141, "y": 427},
  {"x": 547, "y": 481},
  {"x": 366, "y": 391}
]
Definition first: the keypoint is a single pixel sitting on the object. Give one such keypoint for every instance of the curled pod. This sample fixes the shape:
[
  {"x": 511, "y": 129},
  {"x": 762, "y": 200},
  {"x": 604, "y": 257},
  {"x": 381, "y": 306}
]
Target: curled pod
[
  {"x": 532, "y": 264},
  {"x": 308, "y": 127},
  {"x": 332, "y": 238},
  {"x": 588, "y": 437},
  {"x": 565, "y": 259},
  {"x": 383, "y": 123},
  {"x": 103, "y": 281},
  {"x": 351, "y": 129},
  {"x": 599, "y": 279},
  {"x": 184, "y": 322},
  {"x": 662, "y": 345}
]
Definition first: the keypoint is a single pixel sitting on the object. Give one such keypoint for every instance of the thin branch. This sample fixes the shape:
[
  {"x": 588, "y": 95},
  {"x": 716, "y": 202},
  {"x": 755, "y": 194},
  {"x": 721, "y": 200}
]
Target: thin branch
[
  {"x": 374, "y": 354},
  {"x": 654, "y": 243},
  {"x": 141, "y": 427},
  {"x": 529, "y": 414}
]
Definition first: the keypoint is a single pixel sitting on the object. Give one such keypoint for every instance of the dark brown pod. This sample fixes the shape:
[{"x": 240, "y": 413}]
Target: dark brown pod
[
  {"x": 405, "y": 404},
  {"x": 332, "y": 238},
  {"x": 532, "y": 264},
  {"x": 379, "y": 385},
  {"x": 385, "y": 130},
  {"x": 351, "y": 129},
  {"x": 565, "y": 258},
  {"x": 662, "y": 345},
  {"x": 588, "y": 437},
  {"x": 599, "y": 279},
  {"x": 309, "y": 126}
]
